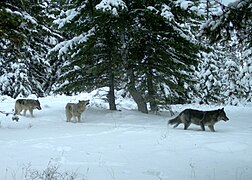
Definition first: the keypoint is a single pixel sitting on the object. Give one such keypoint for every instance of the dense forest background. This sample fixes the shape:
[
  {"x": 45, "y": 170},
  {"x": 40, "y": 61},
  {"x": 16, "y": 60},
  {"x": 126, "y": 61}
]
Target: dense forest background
[{"x": 159, "y": 52}]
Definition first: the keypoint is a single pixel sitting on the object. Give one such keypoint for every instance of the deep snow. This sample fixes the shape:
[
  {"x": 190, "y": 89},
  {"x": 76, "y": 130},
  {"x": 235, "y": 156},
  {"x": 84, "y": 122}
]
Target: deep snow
[{"x": 124, "y": 144}]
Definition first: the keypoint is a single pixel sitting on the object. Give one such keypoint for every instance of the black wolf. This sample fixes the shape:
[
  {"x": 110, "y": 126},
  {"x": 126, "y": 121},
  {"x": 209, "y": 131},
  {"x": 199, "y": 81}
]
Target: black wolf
[{"x": 201, "y": 118}]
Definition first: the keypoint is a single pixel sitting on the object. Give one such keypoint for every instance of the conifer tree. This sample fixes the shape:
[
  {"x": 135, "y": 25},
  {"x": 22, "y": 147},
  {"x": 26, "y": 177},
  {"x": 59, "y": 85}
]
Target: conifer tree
[
  {"x": 236, "y": 15},
  {"x": 245, "y": 81},
  {"x": 95, "y": 55},
  {"x": 231, "y": 28},
  {"x": 25, "y": 39},
  {"x": 210, "y": 74},
  {"x": 133, "y": 38},
  {"x": 161, "y": 50}
]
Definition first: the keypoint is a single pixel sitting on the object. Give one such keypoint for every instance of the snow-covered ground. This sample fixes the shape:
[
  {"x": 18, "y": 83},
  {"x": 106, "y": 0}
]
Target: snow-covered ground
[{"x": 124, "y": 145}]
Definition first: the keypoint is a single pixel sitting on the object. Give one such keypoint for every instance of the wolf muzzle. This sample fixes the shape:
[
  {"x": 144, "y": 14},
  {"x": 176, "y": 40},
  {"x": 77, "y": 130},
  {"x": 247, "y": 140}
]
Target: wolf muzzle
[{"x": 226, "y": 119}]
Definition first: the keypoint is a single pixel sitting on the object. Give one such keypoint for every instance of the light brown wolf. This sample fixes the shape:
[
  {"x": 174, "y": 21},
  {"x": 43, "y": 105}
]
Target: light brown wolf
[
  {"x": 202, "y": 118},
  {"x": 26, "y": 104},
  {"x": 75, "y": 110}
]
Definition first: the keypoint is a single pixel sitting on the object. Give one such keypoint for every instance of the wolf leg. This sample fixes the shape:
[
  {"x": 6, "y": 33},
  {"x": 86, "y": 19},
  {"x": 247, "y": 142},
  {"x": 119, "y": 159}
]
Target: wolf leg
[
  {"x": 211, "y": 127},
  {"x": 79, "y": 118},
  {"x": 202, "y": 126},
  {"x": 17, "y": 112},
  {"x": 68, "y": 117},
  {"x": 186, "y": 126},
  {"x": 31, "y": 112},
  {"x": 25, "y": 112}
]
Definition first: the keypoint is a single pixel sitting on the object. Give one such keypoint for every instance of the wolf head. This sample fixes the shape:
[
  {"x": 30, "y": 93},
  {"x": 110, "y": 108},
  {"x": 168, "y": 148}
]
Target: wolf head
[
  {"x": 222, "y": 115},
  {"x": 85, "y": 103},
  {"x": 37, "y": 105},
  {"x": 82, "y": 104}
]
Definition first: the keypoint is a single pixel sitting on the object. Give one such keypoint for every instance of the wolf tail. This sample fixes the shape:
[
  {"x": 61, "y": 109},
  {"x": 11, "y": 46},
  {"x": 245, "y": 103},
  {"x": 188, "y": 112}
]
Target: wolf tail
[{"x": 174, "y": 121}]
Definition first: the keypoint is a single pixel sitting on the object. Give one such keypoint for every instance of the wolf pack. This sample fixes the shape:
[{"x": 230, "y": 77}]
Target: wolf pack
[
  {"x": 187, "y": 117},
  {"x": 72, "y": 110}
]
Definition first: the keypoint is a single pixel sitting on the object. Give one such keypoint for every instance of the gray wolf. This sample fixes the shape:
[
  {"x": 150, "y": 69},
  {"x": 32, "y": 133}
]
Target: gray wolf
[
  {"x": 201, "y": 118},
  {"x": 26, "y": 104},
  {"x": 75, "y": 110}
]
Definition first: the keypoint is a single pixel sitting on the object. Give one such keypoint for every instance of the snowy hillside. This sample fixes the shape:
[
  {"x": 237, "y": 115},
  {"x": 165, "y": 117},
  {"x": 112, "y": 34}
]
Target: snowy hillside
[{"x": 123, "y": 145}]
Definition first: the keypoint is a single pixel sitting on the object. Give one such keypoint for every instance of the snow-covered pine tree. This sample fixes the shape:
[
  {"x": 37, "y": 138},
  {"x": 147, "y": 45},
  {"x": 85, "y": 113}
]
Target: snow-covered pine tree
[
  {"x": 246, "y": 76},
  {"x": 25, "y": 40},
  {"x": 93, "y": 49},
  {"x": 210, "y": 74},
  {"x": 230, "y": 86},
  {"x": 233, "y": 22},
  {"x": 162, "y": 49}
]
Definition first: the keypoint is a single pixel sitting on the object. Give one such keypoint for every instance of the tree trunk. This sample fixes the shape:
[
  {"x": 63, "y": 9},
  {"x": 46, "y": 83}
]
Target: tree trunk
[
  {"x": 137, "y": 96},
  {"x": 151, "y": 92},
  {"x": 111, "y": 93}
]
